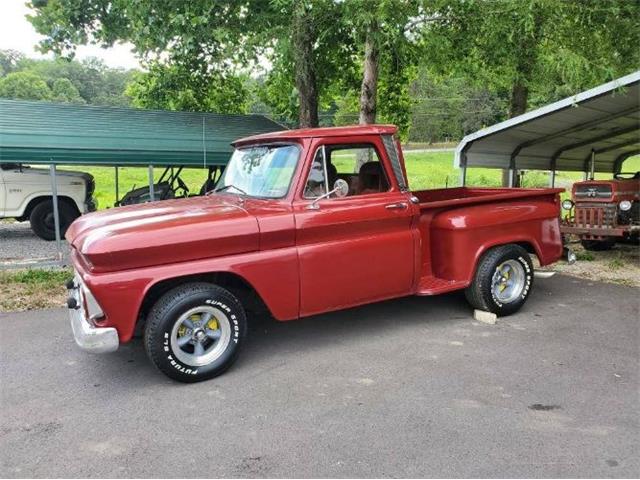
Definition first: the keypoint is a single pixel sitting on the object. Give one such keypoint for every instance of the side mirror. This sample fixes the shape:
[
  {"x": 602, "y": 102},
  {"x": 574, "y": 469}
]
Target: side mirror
[{"x": 340, "y": 188}]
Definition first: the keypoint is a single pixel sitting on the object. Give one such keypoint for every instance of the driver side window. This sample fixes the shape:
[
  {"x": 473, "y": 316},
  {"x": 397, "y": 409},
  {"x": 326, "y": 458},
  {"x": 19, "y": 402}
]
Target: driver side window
[{"x": 358, "y": 165}]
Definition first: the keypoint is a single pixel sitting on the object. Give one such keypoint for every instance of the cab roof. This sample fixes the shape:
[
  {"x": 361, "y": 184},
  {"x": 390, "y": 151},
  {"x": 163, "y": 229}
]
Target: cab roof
[{"x": 320, "y": 132}]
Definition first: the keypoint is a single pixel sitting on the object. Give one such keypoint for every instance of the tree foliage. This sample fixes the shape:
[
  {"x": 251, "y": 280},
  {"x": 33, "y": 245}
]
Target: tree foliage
[
  {"x": 171, "y": 87},
  {"x": 534, "y": 48},
  {"x": 24, "y": 86},
  {"x": 61, "y": 80}
]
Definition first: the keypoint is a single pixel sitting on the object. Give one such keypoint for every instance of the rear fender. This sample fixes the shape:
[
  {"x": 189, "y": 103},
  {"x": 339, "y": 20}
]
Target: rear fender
[{"x": 459, "y": 237}]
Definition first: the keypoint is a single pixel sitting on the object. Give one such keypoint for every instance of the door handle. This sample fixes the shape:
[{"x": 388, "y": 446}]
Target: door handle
[{"x": 396, "y": 206}]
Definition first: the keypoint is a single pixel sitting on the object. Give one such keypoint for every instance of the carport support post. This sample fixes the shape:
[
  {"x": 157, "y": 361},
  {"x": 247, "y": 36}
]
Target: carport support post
[
  {"x": 117, "y": 188},
  {"x": 552, "y": 179},
  {"x": 151, "y": 191},
  {"x": 463, "y": 169},
  {"x": 56, "y": 213}
]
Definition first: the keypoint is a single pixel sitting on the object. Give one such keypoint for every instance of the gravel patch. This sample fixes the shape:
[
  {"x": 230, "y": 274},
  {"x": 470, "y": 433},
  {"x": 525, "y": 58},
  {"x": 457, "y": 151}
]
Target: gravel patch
[
  {"x": 18, "y": 243},
  {"x": 619, "y": 265}
]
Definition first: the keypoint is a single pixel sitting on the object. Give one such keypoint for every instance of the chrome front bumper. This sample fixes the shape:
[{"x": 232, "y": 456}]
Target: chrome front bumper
[{"x": 89, "y": 337}]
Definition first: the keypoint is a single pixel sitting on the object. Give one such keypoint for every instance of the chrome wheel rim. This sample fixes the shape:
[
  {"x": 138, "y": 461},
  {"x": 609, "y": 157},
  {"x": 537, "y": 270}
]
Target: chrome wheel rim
[
  {"x": 200, "y": 336},
  {"x": 508, "y": 281}
]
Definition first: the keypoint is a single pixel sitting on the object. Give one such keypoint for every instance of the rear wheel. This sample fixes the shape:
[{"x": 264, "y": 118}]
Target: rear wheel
[
  {"x": 43, "y": 222},
  {"x": 503, "y": 280},
  {"x": 194, "y": 332},
  {"x": 598, "y": 245}
]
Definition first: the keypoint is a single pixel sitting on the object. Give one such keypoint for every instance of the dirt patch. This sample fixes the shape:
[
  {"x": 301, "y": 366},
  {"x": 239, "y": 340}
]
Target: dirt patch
[
  {"x": 32, "y": 289},
  {"x": 619, "y": 265}
]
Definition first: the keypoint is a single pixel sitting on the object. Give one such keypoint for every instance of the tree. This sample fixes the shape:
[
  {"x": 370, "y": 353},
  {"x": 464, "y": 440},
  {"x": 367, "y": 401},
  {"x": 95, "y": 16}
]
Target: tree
[
  {"x": 172, "y": 88},
  {"x": 523, "y": 46},
  {"x": 200, "y": 39},
  {"x": 94, "y": 81},
  {"x": 24, "y": 86},
  {"x": 9, "y": 61},
  {"x": 63, "y": 90},
  {"x": 310, "y": 51}
]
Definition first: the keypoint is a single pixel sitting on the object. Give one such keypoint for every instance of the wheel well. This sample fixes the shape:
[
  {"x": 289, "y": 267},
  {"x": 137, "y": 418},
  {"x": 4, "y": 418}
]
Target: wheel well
[
  {"x": 237, "y": 285},
  {"x": 528, "y": 247},
  {"x": 36, "y": 201}
]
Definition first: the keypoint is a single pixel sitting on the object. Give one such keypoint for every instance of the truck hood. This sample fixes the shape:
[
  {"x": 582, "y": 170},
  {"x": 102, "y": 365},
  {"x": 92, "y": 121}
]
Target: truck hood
[
  {"x": 62, "y": 176},
  {"x": 157, "y": 233}
]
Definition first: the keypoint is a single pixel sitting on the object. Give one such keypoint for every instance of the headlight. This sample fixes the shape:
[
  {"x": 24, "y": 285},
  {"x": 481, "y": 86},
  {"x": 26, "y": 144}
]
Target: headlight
[
  {"x": 567, "y": 204},
  {"x": 625, "y": 205}
]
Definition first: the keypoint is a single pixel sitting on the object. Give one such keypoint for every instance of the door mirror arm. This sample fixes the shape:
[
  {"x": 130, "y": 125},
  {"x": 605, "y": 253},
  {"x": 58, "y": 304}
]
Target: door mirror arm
[{"x": 340, "y": 188}]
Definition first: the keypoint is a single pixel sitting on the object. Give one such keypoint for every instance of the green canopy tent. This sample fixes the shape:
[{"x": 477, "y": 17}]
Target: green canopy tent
[{"x": 43, "y": 132}]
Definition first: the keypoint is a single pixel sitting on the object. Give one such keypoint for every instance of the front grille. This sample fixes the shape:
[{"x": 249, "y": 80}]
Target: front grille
[
  {"x": 601, "y": 215},
  {"x": 593, "y": 191}
]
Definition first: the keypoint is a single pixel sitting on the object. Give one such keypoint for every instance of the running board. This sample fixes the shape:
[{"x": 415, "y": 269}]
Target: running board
[{"x": 435, "y": 286}]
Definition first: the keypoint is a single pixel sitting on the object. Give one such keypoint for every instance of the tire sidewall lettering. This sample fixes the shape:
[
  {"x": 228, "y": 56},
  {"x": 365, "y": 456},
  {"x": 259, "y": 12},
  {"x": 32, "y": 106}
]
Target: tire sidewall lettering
[{"x": 191, "y": 370}]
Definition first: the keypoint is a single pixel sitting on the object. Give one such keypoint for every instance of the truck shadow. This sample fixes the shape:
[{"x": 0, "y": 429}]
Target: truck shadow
[{"x": 268, "y": 338}]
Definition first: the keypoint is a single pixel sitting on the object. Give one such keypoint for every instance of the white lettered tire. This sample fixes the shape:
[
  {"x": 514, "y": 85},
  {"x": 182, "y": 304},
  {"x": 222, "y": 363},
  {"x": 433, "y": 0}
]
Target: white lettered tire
[
  {"x": 503, "y": 280},
  {"x": 194, "y": 332}
]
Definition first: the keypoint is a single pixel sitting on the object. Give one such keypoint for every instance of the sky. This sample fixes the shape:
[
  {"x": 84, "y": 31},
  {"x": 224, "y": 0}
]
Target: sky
[{"x": 16, "y": 33}]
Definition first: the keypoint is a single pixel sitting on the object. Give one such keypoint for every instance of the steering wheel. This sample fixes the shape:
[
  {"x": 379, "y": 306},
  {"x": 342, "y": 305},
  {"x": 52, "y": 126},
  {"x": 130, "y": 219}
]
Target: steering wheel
[
  {"x": 182, "y": 186},
  {"x": 634, "y": 176}
]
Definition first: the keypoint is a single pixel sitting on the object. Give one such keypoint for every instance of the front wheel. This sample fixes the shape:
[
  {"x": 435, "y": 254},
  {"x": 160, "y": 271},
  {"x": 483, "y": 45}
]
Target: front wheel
[
  {"x": 503, "y": 280},
  {"x": 194, "y": 332}
]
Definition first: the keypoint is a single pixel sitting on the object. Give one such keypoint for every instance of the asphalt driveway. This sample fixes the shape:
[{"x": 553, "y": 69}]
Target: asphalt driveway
[{"x": 412, "y": 387}]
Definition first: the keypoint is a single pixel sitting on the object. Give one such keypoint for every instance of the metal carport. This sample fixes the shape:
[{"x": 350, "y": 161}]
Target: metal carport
[{"x": 601, "y": 124}]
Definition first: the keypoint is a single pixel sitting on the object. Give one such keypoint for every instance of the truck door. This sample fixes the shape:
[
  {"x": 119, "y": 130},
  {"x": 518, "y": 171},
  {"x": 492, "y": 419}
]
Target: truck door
[{"x": 359, "y": 248}]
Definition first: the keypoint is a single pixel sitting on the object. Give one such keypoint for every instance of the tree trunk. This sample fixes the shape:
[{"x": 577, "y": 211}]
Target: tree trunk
[
  {"x": 519, "y": 100},
  {"x": 369, "y": 90},
  {"x": 303, "y": 38},
  {"x": 518, "y": 105}
]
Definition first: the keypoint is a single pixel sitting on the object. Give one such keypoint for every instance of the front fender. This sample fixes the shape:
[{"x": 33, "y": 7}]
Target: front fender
[{"x": 273, "y": 274}]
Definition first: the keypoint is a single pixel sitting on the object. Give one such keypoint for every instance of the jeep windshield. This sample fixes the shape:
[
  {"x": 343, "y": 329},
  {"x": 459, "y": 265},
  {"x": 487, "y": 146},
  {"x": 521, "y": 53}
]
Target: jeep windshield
[{"x": 263, "y": 171}]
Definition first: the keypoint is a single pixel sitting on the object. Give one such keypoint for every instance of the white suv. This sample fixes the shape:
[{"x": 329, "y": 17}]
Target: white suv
[{"x": 25, "y": 194}]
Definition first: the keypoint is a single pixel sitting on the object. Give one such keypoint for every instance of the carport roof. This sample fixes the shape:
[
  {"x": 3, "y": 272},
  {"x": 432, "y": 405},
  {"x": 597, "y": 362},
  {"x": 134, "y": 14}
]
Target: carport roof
[
  {"x": 562, "y": 135},
  {"x": 43, "y": 132}
]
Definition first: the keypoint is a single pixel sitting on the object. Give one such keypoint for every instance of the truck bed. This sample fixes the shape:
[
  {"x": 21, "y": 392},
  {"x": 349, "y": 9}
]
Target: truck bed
[{"x": 448, "y": 197}]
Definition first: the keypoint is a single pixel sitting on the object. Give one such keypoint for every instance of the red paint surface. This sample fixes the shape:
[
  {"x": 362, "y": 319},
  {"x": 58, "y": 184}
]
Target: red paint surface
[{"x": 301, "y": 262}]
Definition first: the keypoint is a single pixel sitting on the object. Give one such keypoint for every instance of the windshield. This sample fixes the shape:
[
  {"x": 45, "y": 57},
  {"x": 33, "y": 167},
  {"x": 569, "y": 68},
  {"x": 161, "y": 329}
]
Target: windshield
[{"x": 260, "y": 171}]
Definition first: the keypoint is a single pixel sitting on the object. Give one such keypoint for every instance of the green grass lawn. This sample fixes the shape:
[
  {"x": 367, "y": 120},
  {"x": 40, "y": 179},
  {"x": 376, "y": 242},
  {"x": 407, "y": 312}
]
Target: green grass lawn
[{"x": 425, "y": 170}]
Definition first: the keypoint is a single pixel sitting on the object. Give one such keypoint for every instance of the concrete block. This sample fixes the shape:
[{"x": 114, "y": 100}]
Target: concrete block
[{"x": 485, "y": 317}]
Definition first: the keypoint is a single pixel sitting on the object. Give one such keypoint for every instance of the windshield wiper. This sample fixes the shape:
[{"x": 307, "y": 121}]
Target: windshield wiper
[{"x": 220, "y": 189}]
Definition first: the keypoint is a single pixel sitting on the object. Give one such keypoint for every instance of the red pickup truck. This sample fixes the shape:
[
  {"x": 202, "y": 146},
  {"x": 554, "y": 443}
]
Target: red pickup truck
[{"x": 302, "y": 222}]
